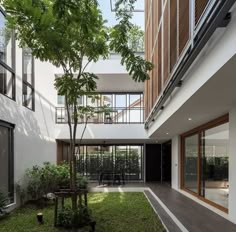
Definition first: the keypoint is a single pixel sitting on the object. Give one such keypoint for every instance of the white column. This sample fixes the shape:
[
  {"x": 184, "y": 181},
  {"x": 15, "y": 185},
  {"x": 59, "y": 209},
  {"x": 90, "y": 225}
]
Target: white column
[
  {"x": 175, "y": 163},
  {"x": 232, "y": 164}
]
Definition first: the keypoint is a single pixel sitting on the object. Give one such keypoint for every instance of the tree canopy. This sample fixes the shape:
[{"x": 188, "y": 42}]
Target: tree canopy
[{"x": 64, "y": 32}]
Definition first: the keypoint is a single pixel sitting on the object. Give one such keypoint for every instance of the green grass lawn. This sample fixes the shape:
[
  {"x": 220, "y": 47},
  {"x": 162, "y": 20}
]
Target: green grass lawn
[{"x": 113, "y": 212}]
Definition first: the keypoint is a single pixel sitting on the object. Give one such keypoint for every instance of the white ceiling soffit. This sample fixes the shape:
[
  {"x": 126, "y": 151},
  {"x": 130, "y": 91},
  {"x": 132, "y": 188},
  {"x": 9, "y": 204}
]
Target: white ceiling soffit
[{"x": 214, "y": 99}]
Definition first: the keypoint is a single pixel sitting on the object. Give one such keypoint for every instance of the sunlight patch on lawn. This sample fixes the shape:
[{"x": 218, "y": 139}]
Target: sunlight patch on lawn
[{"x": 98, "y": 198}]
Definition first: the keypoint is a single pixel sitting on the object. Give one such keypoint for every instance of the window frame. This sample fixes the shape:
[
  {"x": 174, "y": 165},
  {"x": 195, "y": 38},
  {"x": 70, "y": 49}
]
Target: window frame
[
  {"x": 25, "y": 83},
  {"x": 11, "y": 163},
  {"x": 6, "y": 66},
  {"x": 198, "y": 131}
]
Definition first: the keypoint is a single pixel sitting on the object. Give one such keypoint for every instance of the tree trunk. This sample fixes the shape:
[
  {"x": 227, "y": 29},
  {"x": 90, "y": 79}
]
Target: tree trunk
[
  {"x": 74, "y": 165},
  {"x": 70, "y": 131}
]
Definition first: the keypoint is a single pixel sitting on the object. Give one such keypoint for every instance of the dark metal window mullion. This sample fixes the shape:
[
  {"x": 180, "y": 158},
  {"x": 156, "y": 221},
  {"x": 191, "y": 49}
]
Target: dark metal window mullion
[{"x": 10, "y": 164}]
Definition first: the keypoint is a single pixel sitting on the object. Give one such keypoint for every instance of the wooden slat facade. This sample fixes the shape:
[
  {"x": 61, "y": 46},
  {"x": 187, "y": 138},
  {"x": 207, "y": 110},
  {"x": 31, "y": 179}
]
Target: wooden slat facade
[
  {"x": 184, "y": 31},
  {"x": 173, "y": 33},
  {"x": 200, "y": 6},
  {"x": 166, "y": 54},
  {"x": 167, "y": 33}
]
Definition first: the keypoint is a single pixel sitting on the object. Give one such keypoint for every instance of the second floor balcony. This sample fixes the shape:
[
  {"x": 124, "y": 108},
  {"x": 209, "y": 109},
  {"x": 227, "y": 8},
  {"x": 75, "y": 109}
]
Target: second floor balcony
[
  {"x": 123, "y": 108},
  {"x": 116, "y": 115}
]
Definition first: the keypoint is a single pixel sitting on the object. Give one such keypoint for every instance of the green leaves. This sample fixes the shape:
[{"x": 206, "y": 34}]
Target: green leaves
[
  {"x": 137, "y": 67},
  {"x": 71, "y": 87},
  {"x": 61, "y": 32}
]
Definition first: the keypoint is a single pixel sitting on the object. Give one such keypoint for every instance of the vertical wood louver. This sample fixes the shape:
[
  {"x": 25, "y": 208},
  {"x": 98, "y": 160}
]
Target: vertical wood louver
[
  {"x": 159, "y": 9},
  {"x": 159, "y": 66},
  {"x": 200, "y": 6},
  {"x": 154, "y": 21},
  {"x": 155, "y": 74},
  {"x": 150, "y": 90},
  {"x": 166, "y": 42},
  {"x": 173, "y": 33},
  {"x": 183, "y": 24}
]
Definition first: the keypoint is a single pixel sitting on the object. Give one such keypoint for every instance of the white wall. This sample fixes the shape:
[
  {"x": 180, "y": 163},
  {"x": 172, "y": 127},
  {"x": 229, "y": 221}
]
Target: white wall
[
  {"x": 34, "y": 135},
  {"x": 105, "y": 132},
  {"x": 232, "y": 164},
  {"x": 175, "y": 163}
]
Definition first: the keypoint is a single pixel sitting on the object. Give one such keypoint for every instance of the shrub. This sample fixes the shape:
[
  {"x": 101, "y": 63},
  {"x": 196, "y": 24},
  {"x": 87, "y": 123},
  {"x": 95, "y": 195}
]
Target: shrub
[
  {"x": 82, "y": 217},
  {"x": 46, "y": 179},
  {"x": 38, "y": 181},
  {"x": 4, "y": 200},
  {"x": 82, "y": 182}
]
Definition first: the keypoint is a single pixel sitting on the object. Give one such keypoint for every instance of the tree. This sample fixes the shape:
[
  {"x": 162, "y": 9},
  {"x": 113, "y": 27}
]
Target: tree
[
  {"x": 71, "y": 34},
  {"x": 136, "y": 39}
]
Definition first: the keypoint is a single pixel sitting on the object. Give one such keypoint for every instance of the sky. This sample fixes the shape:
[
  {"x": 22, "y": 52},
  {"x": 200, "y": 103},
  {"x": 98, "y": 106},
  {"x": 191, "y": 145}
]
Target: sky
[{"x": 138, "y": 17}]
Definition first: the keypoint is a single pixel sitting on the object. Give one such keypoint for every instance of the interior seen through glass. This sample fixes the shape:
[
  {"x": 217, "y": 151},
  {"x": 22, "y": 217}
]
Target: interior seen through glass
[{"x": 213, "y": 161}]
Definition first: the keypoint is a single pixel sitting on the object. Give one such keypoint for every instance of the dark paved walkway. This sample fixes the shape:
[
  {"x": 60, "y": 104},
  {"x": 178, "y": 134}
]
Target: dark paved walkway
[
  {"x": 163, "y": 215},
  {"x": 194, "y": 217}
]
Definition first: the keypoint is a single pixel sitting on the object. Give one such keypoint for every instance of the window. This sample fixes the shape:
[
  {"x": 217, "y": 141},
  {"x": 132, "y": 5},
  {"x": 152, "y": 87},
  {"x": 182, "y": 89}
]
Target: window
[
  {"x": 205, "y": 162},
  {"x": 92, "y": 159},
  {"x": 6, "y": 160},
  {"x": 28, "y": 80},
  {"x": 7, "y": 73},
  {"x": 124, "y": 108},
  {"x": 60, "y": 100}
]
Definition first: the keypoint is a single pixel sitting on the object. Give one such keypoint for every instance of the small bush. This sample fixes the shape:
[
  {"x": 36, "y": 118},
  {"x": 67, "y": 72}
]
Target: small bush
[
  {"x": 68, "y": 218},
  {"x": 82, "y": 182},
  {"x": 39, "y": 181},
  {"x": 4, "y": 201}
]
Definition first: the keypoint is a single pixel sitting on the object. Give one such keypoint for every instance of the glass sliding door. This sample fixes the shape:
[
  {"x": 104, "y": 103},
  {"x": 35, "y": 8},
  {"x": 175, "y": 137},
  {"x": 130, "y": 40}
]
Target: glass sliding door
[
  {"x": 205, "y": 162},
  {"x": 191, "y": 163},
  {"x": 214, "y": 182}
]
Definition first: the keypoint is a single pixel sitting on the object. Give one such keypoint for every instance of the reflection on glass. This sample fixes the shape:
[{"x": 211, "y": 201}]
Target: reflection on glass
[
  {"x": 92, "y": 161},
  {"x": 134, "y": 100},
  {"x": 106, "y": 100},
  {"x": 121, "y": 100},
  {"x": 60, "y": 100},
  {"x": 4, "y": 155},
  {"x": 214, "y": 183},
  {"x": 6, "y": 162},
  {"x": 120, "y": 159},
  {"x": 27, "y": 66},
  {"x": 103, "y": 158},
  {"x": 6, "y": 82},
  {"x": 135, "y": 112},
  {"x": 123, "y": 108},
  {"x": 107, "y": 159},
  {"x": 5, "y": 42},
  {"x": 27, "y": 96},
  {"x": 190, "y": 163},
  {"x": 134, "y": 162}
]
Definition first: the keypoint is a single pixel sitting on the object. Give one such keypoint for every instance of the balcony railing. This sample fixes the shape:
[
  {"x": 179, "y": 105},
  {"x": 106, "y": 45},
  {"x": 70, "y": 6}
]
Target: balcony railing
[{"x": 118, "y": 115}]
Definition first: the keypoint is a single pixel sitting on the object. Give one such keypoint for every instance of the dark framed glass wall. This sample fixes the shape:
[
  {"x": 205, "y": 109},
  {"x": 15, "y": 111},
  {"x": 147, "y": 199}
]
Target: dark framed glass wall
[
  {"x": 7, "y": 159},
  {"x": 7, "y": 58},
  {"x": 93, "y": 159},
  {"x": 205, "y": 162},
  {"x": 124, "y": 108}
]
